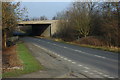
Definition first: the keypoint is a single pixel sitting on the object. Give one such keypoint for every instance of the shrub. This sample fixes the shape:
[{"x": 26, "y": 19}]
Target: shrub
[{"x": 92, "y": 40}]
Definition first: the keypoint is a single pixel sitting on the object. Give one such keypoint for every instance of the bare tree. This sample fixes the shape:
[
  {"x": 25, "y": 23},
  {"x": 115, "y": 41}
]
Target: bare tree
[
  {"x": 43, "y": 18},
  {"x": 81, "y": 17},
  {"x": 11, "y": 14}
]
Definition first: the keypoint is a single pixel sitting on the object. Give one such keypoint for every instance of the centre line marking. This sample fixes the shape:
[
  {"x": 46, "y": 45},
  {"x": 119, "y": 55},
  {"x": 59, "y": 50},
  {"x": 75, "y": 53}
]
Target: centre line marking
[
  {"x": 90, "y": 73},
  {"x": 80, "y": 65},
  {"x": 85, "y": 71},
  {"x": 58, "y": 55},
  {"x": 65, "y": 58},
  {"x": 65, "y": 47},
  {"x": 95, "y": 71},
  {"x": 86, "y": 68},
  {"x": 61, "y": 57},
  {"x": 69, "y": 60},
  {"x": 100, "y": 73},
  {"x": 73, "y": 62}
]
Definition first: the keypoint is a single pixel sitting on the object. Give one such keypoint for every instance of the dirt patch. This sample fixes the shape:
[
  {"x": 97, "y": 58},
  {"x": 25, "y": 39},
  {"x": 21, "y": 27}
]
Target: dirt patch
[{"x": 10, "y": 59}]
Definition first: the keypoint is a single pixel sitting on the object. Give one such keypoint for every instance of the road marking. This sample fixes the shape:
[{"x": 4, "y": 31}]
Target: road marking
[
  {"x": 90, "y": 73},
  {"x": 97, "y": 56},
  {"x": 80, "y": 65},
  {"x": 74, "y": 62},
  {"x": 58, "y": 55},
  {"x": 86, "y": 68},
  {"x": 76, "y": 50},
  {"x": 72, "y": 49},
  {"x": 110, "y": 77},
  {"x": 100, "y": 56},
  {"x": 86, "y": 71},
  {"x": 69, "y": 60},
  {"x": 65, "y": 59},
  {"x": 79, "y": 51},
  {"x": 106, "y": 75},
  {"x": 65, "y": 47},
  {"x": 95, "y": 71},
  {"x": 54, "y": 44},
  {"x": 53, "y": 53},
  {"x": 100, "y": 73},
  {"x": 61, "y": 57}
]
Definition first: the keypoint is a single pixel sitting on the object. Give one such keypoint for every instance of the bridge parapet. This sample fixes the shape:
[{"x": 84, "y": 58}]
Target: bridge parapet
[{"x": 39, "y": 22}]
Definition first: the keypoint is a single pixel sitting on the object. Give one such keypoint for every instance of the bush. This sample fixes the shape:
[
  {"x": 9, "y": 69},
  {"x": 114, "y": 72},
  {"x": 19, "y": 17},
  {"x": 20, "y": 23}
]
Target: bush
[{"x": 92, "y": 40}]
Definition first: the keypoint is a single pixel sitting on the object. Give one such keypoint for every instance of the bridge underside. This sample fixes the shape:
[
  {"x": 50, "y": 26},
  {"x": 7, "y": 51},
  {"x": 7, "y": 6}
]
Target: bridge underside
[{"x": 39, "y": 29}]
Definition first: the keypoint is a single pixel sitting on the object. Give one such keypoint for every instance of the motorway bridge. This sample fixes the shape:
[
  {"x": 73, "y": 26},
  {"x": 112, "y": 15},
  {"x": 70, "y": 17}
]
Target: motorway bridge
[{"x": 46, "y": 28}]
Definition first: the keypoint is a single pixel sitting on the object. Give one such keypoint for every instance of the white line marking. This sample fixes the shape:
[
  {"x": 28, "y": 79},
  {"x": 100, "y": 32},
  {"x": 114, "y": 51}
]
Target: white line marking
[
  {"x": 100, "y": 73},
  {"x": 79, "y": 51},
  {"x": 65, "y": 59},
  {"x": 85, "y": 71},
  {"x": 100, "y": 56},
  {"x": 76, "y": 50},
  {"x": 110, "y": 77},
  {"x": 97, "y": 56},
  {"x": 58, "y": 55},
  {"x": 80, "y": 65},
  {"x": 61, "y": 57},
  {"x": 86, "y": 68},
  {"x": 106, "y": 75},
  {"x": 73, "y": 62},
  {"x": 65, "y": 47},
  {"x": 90, "y": 73},
  {"x": 55, "y": 54},
  {"x": 69, "y": 60},
  {"x": 103, "y": 57}
]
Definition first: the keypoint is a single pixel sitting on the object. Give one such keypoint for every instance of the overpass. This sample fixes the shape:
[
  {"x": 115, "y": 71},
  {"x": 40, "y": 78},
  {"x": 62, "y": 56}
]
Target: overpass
[{"x": 46, "y": 28}]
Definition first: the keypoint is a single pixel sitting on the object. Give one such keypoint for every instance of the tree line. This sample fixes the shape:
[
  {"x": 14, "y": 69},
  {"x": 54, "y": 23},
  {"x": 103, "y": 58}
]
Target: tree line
[
  {"x": 84, "y": 19},
  {"x": 35, "y": 18}
]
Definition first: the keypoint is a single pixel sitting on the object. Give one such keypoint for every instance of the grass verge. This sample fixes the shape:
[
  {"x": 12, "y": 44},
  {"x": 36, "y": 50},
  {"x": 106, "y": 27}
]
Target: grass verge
[
  {"x": 30, "y": 64},
  {"x": 104, "y": 48}
]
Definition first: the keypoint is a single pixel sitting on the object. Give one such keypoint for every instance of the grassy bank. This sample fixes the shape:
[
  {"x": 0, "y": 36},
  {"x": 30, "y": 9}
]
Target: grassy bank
[{"x": 30, "y": 64}]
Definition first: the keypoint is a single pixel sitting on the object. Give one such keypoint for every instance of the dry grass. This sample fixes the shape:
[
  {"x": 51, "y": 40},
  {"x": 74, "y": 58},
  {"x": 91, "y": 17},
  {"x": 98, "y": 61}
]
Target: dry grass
[
  {"x": 91, "y": 40},
  {"x": 10, "y": 58}
]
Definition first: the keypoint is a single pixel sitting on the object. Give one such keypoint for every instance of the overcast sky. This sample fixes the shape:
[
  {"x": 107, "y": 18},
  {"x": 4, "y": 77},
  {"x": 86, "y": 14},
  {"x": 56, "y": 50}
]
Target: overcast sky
[{"x": 48, "y": 9}]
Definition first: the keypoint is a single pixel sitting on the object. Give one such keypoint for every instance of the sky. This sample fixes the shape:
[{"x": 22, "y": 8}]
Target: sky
[{"x": 48, "y": 9}]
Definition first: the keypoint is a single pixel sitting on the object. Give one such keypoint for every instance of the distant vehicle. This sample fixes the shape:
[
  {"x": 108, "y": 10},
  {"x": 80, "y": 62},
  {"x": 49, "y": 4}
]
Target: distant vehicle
[
  {"x": 19, "y": 34},
  {"x": 26, "y": 19}
]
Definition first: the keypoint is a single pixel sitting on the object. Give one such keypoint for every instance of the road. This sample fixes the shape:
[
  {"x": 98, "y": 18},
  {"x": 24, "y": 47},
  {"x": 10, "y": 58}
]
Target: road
[{"x": 94, "y": 62}]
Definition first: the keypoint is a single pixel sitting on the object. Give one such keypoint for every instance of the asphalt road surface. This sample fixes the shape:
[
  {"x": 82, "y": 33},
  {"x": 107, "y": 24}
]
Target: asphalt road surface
[{"x": 96, "y": 61}]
